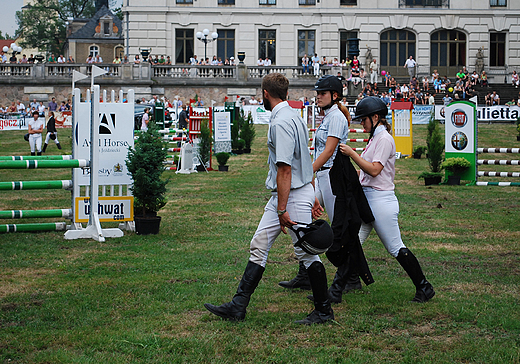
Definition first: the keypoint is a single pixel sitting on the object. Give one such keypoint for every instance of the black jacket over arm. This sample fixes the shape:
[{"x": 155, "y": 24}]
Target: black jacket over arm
[{"x": 350, "y": 210}]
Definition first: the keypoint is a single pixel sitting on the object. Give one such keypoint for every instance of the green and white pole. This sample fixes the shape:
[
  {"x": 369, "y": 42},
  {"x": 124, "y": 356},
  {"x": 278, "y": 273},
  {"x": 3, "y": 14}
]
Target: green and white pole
[
  {"x": 51, "y": 226},
  {"x": 21, "y": 214},
  {"x": 34, "y": 164},
  {"x": 36, "y": 185},
  {"x": 37, "y": 157}
]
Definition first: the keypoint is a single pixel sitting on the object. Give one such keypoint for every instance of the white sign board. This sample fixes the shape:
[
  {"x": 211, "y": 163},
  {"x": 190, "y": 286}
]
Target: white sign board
[
  {"x": 222, "y": 126},
  {"x": 116, "y": 136},
  {"x": 460, "y": 128},
  {"x": 115, "y": 209}
]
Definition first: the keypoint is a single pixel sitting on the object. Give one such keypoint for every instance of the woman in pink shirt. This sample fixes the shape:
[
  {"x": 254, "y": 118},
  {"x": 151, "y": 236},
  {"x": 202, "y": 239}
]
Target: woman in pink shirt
[{"x": 377, "y": 172}]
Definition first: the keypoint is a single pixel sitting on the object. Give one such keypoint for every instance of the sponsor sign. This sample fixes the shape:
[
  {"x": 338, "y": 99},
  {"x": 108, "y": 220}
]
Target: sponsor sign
[
  {"x": 13, "y": 122},
  {"x": 487, "y": 113},
  {"x": 118, "y": 208},
  {"x": 222, "y": 123},
  {"x": 116, "y": 136}
]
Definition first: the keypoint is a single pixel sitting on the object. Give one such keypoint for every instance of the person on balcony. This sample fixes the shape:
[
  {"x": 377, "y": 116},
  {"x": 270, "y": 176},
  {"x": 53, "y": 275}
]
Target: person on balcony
[{"x": 305, "y": 64}]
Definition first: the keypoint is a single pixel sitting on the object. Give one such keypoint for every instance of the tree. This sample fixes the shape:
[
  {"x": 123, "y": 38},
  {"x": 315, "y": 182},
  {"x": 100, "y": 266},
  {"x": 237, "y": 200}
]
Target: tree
[
  {"x": 4, "y": 37},
  {"x": 43, "y": 24}
]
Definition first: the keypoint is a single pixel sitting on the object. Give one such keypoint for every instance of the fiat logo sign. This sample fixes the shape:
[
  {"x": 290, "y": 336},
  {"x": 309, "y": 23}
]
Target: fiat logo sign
[{"x": 459, "y": 118}]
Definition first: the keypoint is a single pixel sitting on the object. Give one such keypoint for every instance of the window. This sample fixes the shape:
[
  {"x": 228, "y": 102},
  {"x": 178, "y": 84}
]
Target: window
[
  {"x": 497, "y": 2},
  {"x": 267, "y": 45},
  {"x": 226, "y": 2},
  {"x": 424, "y": 3},
  {"x": 183, "y": 45},
  {"x": 396, "y": 47},
  {"x": 267, "y": 2},
  {"x": 184, "y": 1},
  {"x": 448, "y": 51},
  {"x": 348, "y": 41},
  {"x": 348, "y": 2},
  {"x": 307, "y": 2},
  {"x": 306, "y": 44},
  {"x": 119, "y": 51},
  {"x": 225, "y": 43},
  {"x": 93, "y": 50},
  {"x": 497, "y": 49}
]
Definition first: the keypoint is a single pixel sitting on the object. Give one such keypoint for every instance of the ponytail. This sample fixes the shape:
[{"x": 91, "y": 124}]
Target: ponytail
[{"x": 345, "y": 111}]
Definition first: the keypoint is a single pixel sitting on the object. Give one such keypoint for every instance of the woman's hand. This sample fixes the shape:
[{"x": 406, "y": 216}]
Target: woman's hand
[{"x": 346, "y": 150}]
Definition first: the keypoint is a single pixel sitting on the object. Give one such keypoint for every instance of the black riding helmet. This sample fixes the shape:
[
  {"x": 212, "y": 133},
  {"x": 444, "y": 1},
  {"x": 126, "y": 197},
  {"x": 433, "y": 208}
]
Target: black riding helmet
[
  {"x": 329, "y": 83},
  {"x": 369, "y": 106}
]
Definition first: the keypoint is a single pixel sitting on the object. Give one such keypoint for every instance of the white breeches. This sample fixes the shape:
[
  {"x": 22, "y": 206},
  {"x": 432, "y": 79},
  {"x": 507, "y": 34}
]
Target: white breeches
[{"x": 299, "y": 207}]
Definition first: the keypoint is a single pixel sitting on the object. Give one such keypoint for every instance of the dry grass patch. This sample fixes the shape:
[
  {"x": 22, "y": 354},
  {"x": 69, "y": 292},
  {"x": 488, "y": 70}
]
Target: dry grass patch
[{"x": 22, "y": 281}]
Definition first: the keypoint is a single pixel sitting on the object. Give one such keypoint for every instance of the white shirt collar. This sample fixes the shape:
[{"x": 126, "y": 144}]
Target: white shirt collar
[{"x": 277, "y": 108}]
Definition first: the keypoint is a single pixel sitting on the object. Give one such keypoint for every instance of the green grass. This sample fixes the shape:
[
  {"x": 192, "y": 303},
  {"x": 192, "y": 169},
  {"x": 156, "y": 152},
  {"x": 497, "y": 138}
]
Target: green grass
[{"x": 140, "y": 299}]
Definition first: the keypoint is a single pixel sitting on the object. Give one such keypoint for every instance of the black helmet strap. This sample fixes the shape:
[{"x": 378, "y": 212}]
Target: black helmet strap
[
  {"x": 373, "y": 129},
  {"x": 332, "y": 101}
]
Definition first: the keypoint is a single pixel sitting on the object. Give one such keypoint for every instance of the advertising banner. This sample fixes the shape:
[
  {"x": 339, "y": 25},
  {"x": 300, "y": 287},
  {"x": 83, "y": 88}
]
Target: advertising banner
[
  {"x": 487, "y": 113},
  {"x": 114, "y": 209},
  {"x": 13, "y": 122},
  {"x": 116, "y": 136}
]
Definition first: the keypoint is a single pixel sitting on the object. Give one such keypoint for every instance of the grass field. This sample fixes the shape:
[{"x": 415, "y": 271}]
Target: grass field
[{"x": 139, "y": 299}]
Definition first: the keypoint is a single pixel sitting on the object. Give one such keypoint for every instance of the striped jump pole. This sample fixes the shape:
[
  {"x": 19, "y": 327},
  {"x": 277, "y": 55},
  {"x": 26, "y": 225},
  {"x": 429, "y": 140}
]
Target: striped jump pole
[
  {"x": 502, "y": 184},
  {"x": 501, "y": 162},
  {"x": 173, "y": 150},
  {"x": 357, "y": 140},
  {"x": 36, "y": 185},
  {"x": 20, "y": 214},
  {"x": 174, "y": 138},
  {"x": 498, "y": 174},
  {"x": 170, "y": 168},
  {"x": 36, "y": 158},
  {"x": 170, "y": 130},
  {"x": 357, "y": 131},
  {"x": 498, "y": 150},
  {"x": 34, "y": 164},
  {"x": 50, "y": 226}
]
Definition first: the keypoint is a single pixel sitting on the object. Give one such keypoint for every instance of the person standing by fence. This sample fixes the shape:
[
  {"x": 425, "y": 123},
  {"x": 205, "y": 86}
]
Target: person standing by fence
[{"x": 35, "y": 133}]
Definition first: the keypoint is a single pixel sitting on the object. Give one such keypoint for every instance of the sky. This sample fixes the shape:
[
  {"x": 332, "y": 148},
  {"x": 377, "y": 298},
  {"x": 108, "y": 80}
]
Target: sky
[{"x": 9, "y": 8}]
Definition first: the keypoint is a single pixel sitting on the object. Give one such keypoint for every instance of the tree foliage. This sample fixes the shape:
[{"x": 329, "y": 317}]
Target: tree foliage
[
  {"x": 145, "y": 165},
  {"x": 435, "y": 143},
  {"x": 5, "y": 36},
  {"x": 43, "y": 24}
]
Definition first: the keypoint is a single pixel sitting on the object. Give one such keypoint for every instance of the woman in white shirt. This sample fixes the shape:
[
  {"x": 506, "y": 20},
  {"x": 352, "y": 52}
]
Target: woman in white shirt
[{"x": 377, "y": 172}]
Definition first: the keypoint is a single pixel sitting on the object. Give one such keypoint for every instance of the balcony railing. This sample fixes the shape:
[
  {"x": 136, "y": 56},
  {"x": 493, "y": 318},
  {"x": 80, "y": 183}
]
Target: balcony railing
[{"x": 184, "y": 71}]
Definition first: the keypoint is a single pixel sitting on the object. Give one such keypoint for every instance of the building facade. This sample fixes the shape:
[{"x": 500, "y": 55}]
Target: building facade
[{"x": 439, "y": 34}]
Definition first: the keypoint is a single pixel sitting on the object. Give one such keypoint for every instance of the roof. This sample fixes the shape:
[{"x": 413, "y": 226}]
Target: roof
[
  {"x": 401, "y": 105},
  {"x": 88, "y": 30},
  {"x": 6, "y": 42}
]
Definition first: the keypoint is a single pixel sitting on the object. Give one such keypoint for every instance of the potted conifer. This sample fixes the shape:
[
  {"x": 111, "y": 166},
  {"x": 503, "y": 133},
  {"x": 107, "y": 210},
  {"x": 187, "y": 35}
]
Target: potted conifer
[
  {"x": 222, "y": 159},
  {"x": 247, "y": 132},
  {"x": 456, "y": 166},
  {"x": 145, "y": 163},
  {"x": 418, "y": 151},
  {"x": 204, "y": 145},
  {"x": 435, "y": 148}
]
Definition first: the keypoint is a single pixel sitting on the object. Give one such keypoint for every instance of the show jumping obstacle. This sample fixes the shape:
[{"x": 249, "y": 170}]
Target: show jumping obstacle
[
  {"x": 13, "y": 162},
  {"x": 502, "y": 162}
]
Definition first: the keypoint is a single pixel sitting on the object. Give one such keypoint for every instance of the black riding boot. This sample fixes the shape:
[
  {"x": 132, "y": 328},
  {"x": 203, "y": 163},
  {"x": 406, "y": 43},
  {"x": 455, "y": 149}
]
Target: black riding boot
[
  {"x": 58, "y": 145},
  {"x": 300, "y": 281},
  {"x": 33, "y": 154},
  {"x": 423, "y": 289},
  {"x": 38, "y": 153},
  {"x": 322, "y": 309},
  {"x": 236, "y": 309},
  {"x": 344, "y": 281},
  {"x": 44, "y": 147}
]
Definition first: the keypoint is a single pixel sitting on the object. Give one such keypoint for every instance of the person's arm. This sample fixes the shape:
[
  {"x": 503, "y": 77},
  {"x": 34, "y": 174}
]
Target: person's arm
[
  {"x": 283, "y": 187},
  {"x": 371, "y": 168}
]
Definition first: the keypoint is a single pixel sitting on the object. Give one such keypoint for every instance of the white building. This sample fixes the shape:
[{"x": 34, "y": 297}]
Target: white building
[{"x": 439, "y": 34}]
